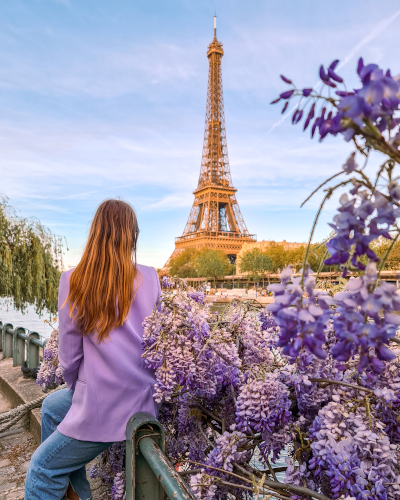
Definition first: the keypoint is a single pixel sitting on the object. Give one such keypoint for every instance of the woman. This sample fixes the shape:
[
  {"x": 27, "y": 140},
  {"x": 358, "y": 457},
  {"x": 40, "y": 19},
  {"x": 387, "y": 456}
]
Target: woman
[{"x": 102, "y": 304}]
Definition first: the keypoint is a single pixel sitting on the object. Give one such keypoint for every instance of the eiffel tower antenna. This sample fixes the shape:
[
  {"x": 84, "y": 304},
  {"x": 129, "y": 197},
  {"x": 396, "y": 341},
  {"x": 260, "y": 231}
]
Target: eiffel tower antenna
[{"x": 215, "y": 220}]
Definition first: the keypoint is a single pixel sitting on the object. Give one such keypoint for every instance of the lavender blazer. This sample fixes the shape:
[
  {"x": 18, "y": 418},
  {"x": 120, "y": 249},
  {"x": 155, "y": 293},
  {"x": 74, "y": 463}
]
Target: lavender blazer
[{"x": 109, "y": 379}]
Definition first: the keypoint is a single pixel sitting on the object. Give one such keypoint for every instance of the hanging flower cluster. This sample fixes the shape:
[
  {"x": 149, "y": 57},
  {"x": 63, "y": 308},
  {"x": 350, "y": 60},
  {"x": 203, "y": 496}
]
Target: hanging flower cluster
[
  {"x": 167, "y": 282},
  {"x": 229, "y": 449},
  {"x": 302, "y": 320},
  {"x": 352, "y": 450},
  {"x": 110, "y": 467},
  {"x": 49, "y": 374},
  {"x": 360, "y": 326},
  {"x": 186, "y": 351},
  {"x": 263, "y": 406}
]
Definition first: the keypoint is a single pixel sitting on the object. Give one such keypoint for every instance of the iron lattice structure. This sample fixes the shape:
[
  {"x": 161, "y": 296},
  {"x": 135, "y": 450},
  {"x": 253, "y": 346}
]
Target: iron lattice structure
[{"x": 215, "y": 220}]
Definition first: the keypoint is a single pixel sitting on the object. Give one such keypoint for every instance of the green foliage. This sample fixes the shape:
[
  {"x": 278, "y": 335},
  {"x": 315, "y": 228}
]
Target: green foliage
[
  {"x": 203, "y": 263},
  {"x": 183, "y": 265},
  {"x": 256, "y": 264},
  {"x": 281, "y": 257},
  {"x": 212, "y": 264},
  {"x": 30, "y": 262},
  {"x": 381, "y": 246}
]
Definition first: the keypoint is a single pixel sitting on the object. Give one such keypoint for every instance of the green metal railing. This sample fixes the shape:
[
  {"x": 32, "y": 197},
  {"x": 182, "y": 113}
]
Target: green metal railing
[
  {"x": 148, "y": 471},
  {"x": 21, "y": 345}
]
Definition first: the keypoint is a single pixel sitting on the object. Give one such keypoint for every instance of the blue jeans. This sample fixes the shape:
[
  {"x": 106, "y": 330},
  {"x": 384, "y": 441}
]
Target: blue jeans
[{"x": 59, "y": 460}]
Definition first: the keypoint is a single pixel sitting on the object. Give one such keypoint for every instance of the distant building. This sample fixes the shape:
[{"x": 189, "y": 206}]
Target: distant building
[{"x": 263, "y": 246}]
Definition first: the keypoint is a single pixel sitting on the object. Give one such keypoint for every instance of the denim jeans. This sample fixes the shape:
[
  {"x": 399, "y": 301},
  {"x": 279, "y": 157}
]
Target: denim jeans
[{"x": 59, "y": 460}]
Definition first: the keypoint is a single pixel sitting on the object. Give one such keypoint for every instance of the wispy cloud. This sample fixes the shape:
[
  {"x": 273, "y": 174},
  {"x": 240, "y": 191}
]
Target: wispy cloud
[
  {"x": 380, "y": 27},
  {"x": 99, "y": 71},
  {"x": 171, "y": 202},
  {"x": 355, "y": 51}
]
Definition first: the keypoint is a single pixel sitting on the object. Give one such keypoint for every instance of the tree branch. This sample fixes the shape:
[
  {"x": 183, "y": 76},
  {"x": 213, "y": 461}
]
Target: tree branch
[
  {"x": 209, "y": 413},
  {"x": 337, "y": 382},
  {"x": 189, "y": 471},
  {"x": 247, "y": 488},
  {"x": 272, "y": 484},
  {"x": 320, "y": 186}
]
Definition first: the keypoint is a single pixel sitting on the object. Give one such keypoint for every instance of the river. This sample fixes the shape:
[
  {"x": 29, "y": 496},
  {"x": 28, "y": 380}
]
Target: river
[{"x": 29, "y": 320}]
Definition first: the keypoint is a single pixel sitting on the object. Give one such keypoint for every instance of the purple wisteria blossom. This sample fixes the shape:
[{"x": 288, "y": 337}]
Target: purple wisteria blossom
[
  {"x": 348, "y": 112},
  {"x": 350, "y": 165},
  {"x": 187, "y": 352},
  {"x": 297, "y": 475},
  {"x": 118, "y": 488},
  {"x": 49, "y": 374},
  {"x": 167, "y": 282},
  {"x": 263, "y": 407},
  {"x": 355, "y": 228},
  {"x": 310, "y": 397},
  {"x": 360, "y": 327},
  {"x": 301, "y": 314},
  {"x": 230, "y": 448},
  {"x": 354, "y": 452},
  {"x": 110, "y": 468}
]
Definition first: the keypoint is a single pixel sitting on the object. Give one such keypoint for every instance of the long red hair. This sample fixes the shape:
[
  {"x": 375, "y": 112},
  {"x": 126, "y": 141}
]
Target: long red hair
[{"x": 101, "y": 287}]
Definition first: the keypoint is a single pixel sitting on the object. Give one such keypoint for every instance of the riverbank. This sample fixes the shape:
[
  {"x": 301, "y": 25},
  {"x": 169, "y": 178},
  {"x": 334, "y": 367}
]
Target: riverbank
[{"x": 224, "y": 299}]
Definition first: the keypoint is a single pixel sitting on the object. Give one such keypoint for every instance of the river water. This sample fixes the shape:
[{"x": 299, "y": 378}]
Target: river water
[{"x": 29, "y": 320}]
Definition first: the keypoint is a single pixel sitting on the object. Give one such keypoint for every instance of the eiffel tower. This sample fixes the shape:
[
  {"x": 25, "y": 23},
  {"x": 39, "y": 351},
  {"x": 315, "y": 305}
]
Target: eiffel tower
[{"x": 215, "y": 220}]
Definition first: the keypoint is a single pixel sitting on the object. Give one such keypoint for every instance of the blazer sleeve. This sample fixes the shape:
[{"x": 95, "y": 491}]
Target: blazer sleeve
[{"x": 70, "y": 338}]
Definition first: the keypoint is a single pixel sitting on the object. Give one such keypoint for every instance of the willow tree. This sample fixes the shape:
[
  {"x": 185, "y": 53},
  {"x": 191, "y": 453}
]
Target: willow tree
[{"x": 30, "y": 262}]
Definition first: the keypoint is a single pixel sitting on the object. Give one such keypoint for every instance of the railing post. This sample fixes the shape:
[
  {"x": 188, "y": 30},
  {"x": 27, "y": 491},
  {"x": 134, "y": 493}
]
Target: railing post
[
  {"x": 171, "y": 481},
  {"x": 19, "y": 346},
  {"x": 148, "y": 470},
  {"x": 141, "y": 483},
  {"x": 1, "y": 335},
  {"x": 33, "y": 350},
  {"x": 8, "y": 341}
]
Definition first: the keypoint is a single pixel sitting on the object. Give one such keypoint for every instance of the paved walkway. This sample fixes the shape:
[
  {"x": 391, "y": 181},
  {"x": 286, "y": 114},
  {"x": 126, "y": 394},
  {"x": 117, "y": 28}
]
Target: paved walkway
[{"x": 16, "y": 448}]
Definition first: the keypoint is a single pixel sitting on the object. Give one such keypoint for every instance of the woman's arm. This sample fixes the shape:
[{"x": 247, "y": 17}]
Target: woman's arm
[{"x": 70, "y": 339}]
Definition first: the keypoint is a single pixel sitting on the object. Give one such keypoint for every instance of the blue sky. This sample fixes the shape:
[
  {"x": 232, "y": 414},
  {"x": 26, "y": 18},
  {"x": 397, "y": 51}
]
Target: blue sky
[{"x": 106, "y": 99}]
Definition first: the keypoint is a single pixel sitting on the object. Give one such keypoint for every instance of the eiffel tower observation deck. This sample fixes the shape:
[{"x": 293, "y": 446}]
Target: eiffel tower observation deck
[{"x": 215, "y": 220}]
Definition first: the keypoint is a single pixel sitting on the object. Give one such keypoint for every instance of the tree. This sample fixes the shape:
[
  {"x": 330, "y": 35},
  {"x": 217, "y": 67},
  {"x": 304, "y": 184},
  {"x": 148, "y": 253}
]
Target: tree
[
  {"x": 212, "y": 264},
  {"x": 381, "y": 246},
  {"x": 183, "y": 265},
  {"x": 30, "y": 262},
  {"x": 282, "y": 257},
  {"x": 256, "y": 264}
]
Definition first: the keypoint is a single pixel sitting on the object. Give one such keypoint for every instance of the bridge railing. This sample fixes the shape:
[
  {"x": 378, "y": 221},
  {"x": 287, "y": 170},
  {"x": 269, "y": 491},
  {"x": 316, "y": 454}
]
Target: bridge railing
[
  {"x": 21, "y": 345},
  {"x": 148, "y": 471}
]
